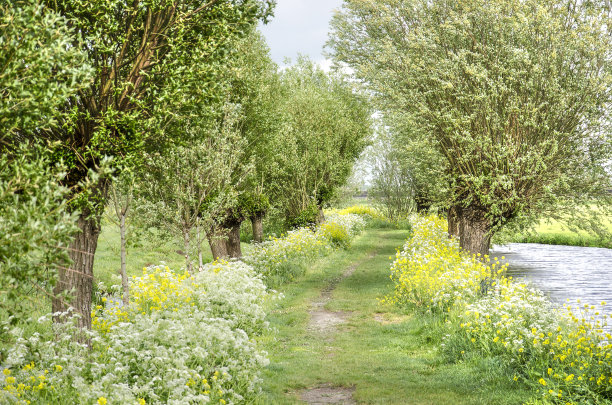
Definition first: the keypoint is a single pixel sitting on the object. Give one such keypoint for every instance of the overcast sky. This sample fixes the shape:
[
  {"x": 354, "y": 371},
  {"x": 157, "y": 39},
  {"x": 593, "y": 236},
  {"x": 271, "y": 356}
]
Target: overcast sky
[{"x": 299, "y": 27}]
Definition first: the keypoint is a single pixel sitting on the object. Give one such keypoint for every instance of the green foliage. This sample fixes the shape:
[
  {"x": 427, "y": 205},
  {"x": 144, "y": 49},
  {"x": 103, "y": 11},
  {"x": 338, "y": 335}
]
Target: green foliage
[
  {"x": 408, "y": 171},
  {"x": 393, "y": 186},
  {"x": 35, "y": 228},
  {"x": 187, "y": 184},
  {"x": 36, "y": 45},
  {"x": 512, "y": 93},
  {"x": 326, "y": 127},
  {"x": 155, "y": 63},
  {"x": 252, "y": 204},
  {"x": 305, "y": 218}
]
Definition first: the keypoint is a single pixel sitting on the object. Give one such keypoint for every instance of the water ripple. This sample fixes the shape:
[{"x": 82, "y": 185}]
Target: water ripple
[{"x": 562, "y": 272}]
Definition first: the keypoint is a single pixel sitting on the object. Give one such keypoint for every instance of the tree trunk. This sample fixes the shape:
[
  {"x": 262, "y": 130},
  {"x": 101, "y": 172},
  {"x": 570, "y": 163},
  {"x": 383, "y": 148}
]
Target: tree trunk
[
  {"x": 218, "y": 244},
  {"x": 453, "y": 221},
  {"x": 422, "y": 203},
  {"x": 186, "y": 243},
  {"x": 320, "y": 216},
  {"x": 78, "y": 279},
  {"x": 233, "y": 241},
  {"x": 474, "y": 231},
  {"x": 199, "y": 243},
  {"x": 257, "y": 223},
  {"x": 124, "y": 279}
]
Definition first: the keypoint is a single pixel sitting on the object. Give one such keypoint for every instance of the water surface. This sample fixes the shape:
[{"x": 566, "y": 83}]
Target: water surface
[{"x": 562, "y": 272}]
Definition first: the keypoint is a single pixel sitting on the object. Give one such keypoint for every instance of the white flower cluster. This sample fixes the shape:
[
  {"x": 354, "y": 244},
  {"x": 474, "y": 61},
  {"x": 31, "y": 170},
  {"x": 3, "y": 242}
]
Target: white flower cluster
[{"x": 182, "y": 340}]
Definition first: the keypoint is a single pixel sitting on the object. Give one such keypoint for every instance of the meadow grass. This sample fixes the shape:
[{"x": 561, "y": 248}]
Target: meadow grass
[
  {"x": 553, "y": 232},
  {"x": 108, "y": 259},
  {"x": 149, "y": 251},
  {"x": 389, "y": 355}
]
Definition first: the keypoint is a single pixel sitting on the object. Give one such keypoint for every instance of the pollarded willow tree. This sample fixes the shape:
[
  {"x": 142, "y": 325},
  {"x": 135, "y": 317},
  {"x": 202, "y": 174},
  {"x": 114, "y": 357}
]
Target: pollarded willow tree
[
  {"x": 192, "y": 185},
  {"x": 252, "y": 87},
  {"x": 326, "y": 126},
  {"x": 144, "y": 55},
  {"x": 511, "y": 91}
]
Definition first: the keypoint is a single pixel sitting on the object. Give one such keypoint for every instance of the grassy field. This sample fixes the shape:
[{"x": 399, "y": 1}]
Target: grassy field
[
  {"x": 553, "y": 232},
  {"x": 381, "y": 354},
  {"x": 148, "y": 252},
  {"x": 108, "y": 261}
]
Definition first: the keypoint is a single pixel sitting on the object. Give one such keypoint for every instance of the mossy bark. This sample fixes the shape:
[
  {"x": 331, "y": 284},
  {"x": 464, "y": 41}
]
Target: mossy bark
[
  {"x": 474, "y": 231},
  {"x": 257, "y": 224},
  {"x": 218, "y": 244},
  {"x": 233, "y": 240}
]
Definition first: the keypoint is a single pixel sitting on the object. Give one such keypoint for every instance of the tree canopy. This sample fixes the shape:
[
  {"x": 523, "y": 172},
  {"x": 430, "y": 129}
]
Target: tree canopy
[
  {"x": 511, "y": 92},
  {"x": 327, "y": 125}
]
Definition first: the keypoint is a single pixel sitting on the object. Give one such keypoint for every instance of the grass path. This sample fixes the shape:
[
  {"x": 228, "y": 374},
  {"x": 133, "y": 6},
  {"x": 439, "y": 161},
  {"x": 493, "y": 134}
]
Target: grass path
[{"x": 334, "y": 343}]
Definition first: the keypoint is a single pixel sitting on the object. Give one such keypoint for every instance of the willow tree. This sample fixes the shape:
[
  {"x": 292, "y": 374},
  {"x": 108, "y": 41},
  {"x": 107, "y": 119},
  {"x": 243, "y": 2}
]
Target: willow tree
[
  {"x": 144, "y": 54},
  {"x": 252, "y": 87},
  {"x": 326, "y": 126},
  {"x": 407, "y": 173},
  {"x": 191, "y": 185},
  {"x": 512, "y": 93}
]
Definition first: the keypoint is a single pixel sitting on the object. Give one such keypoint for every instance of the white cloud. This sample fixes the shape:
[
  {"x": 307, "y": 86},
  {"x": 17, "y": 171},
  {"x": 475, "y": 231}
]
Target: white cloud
[{"x": 299, "y": 27}]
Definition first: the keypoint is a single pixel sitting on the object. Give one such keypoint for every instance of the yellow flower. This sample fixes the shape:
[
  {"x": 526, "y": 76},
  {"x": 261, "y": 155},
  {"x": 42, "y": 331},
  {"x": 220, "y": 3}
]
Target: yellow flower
[
  {"x": 141, "y": 401},
  {"x": 102, "y": 401},
  {"x": 6, "y": 371},
  {"x": 542, "y": 381},
  {"x": 10, "y": 380},
  {"x": 58, "y": 368}
]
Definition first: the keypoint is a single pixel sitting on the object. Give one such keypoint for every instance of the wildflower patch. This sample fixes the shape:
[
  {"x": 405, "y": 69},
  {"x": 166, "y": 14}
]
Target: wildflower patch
[
  {"x": 564, "y": 352},
  {"x": 281, "y": 259},
  {"x": 183, "y": 339}
]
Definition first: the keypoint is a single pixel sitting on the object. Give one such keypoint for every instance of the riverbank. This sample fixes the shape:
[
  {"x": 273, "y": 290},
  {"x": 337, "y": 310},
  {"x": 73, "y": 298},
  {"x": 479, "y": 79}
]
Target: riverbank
[
  {"x": 335, "y": 342},
  {"x": 555, "y": 233}
]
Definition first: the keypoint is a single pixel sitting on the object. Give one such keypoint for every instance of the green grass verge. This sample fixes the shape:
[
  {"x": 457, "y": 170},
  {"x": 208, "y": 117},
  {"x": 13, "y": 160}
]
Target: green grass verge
[
  {"x": 387, "y": 355},
  {"x": 108, "y": 259},
  {"x": 553, "y": 232},
  {"x": 148, "y": 252}
]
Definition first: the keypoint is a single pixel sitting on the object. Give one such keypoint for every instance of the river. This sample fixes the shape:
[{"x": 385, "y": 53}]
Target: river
[{"x": 562, "y": 272}]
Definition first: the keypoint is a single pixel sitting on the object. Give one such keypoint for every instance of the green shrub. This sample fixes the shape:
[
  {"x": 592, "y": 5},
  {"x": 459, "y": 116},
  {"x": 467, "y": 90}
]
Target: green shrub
[{"x": 305, "y": 218}]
